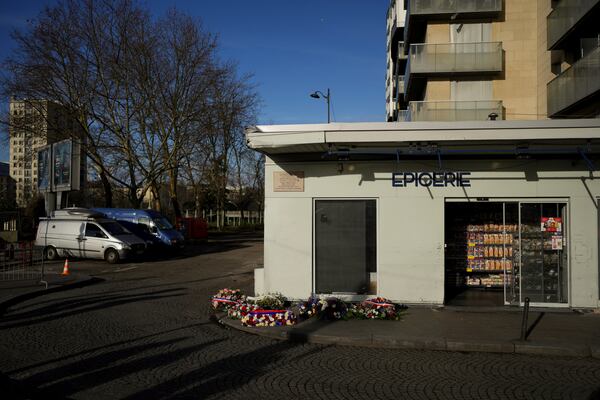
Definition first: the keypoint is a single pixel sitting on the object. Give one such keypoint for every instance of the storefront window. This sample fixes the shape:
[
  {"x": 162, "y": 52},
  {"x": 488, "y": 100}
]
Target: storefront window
[{"x": 503, "y": 252}]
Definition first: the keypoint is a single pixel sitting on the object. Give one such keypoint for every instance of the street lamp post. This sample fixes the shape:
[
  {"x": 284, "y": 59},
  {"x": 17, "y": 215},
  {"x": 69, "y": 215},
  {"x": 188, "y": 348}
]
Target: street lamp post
[{"x": 317, "y": 95}]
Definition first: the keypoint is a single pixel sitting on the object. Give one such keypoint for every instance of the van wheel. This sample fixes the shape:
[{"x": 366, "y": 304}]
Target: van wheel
[
  {"x": 51, "y": 253},
  {"x": 111, "y": 256}
]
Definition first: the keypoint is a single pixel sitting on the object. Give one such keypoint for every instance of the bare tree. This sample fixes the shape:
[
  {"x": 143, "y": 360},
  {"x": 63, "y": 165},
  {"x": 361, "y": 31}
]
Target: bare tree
[
  {"x": 155, "y": 104},
  {"x": 182, "y": 71},
  {"x": 233, "y": 107}
]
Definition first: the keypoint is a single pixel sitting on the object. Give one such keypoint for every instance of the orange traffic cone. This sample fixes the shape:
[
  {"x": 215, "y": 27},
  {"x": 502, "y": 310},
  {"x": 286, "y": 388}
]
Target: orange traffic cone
[{"x": 66, "y": 268}]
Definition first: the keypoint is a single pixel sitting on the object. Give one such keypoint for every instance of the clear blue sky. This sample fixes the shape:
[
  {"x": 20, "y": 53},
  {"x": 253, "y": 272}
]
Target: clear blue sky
[{"x": 291, "y": 47}]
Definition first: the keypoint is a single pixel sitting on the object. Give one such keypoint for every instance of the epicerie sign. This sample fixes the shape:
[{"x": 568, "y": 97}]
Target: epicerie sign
[{"x": 434, "y": 179}]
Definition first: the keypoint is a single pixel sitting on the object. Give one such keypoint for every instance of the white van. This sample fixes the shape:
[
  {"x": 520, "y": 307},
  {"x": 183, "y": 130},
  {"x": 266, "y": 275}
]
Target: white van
[{"x": 82, "y": 233}]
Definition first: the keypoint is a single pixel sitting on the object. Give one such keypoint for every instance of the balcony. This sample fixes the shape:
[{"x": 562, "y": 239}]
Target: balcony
[
  {"x": 454, "y": 110},
  {"x": 420, "y": 11},
  {"x": 403, "y": 116},
  {"x": 399, "y": 84},
  {"x": 567, "y": 17},
  {"x": 576, "y": 83},
  {"x": 397, "y": 52},
  {"x": 456, "y": 58}
]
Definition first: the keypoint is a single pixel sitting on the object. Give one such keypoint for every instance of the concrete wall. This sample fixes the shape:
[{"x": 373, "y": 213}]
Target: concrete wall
[
  {"x": 410, "y": 224},
  {"x": 519, "y": 36},
  {"x": 544, "y": 60}
]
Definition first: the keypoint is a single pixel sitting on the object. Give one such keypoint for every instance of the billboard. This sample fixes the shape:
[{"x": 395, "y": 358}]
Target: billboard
[
  {"x": 62, "y": 163},
  {"x": 44, "y": 170},
  {"x": 58, "y": 167}
]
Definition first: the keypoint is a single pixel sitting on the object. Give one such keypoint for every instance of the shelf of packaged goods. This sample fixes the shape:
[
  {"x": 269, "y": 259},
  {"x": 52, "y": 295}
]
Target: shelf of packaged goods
[
  {"x": 485, "y": 271},
  {"x": 471, "y": 244},
  {"x": 485, "y": 286},
  {"x": 538, "y": 235}
]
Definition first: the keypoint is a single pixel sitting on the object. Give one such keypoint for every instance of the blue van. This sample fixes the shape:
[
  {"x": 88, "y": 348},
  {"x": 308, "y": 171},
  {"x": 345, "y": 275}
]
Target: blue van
[{"x": 157, "y": 224}]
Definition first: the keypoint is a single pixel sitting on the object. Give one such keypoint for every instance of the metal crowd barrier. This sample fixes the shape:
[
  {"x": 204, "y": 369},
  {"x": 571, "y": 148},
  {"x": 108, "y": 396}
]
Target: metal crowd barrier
[{"x": 21, "y": 261}]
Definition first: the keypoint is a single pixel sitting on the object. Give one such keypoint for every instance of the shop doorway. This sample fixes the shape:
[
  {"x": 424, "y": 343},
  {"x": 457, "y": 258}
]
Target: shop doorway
[
  {"x": 345, "y": 247},
  {"x": 500, "y": 252}
]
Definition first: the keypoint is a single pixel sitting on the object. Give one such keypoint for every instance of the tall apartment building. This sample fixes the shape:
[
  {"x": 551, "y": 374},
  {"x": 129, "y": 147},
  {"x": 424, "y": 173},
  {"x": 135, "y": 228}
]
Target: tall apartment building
[
  {"x": 486, "y": 59},
  {"x": 573, "y": 37},
  {"x": 7, "y": 186},
  {"x": 396, "y": 60},
  {"x": 34, "y": 124}
]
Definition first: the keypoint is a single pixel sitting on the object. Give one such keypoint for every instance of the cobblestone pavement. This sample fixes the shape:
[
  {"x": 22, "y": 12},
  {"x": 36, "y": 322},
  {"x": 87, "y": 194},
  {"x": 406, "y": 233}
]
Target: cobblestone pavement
[{"x": 145, "y": 333}]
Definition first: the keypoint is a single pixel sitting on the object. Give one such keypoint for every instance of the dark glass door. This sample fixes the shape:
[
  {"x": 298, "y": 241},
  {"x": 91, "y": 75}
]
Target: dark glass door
[
  {"x": 345, "y": 245},
  {"x": 543, "y": 252}
]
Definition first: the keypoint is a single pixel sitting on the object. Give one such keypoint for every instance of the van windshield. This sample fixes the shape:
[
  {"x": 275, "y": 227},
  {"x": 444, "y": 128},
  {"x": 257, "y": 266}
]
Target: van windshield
[
  {"x": 162, "y": 223},
  {"x": 114, "y": 228}
]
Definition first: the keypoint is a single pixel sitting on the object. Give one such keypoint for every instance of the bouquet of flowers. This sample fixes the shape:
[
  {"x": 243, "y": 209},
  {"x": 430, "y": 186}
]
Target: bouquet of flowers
[
  {"x": 226, "y": 298},
  {"x": 271, "y": 301},
  {"x": 331, "y": 308},
  {"x": 309, "y": 308},
  {"x": 269, "y": 318},
  {"x": 240, "y": 310},
  {"x": 376, "y": 308}
]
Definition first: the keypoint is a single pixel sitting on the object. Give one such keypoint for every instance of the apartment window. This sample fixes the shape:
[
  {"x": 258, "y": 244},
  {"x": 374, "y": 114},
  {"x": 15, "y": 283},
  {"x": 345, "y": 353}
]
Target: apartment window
[
  {"x": 471, "y": 33},
  {"x": 469, "y": 90}
]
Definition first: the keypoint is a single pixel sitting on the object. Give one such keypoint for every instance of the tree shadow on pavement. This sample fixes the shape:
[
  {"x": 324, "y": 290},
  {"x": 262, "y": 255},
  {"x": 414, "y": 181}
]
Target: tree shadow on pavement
[
  {"x": 219, "y": 376},
  {"x": 158, "y": 285},
  {"x": 95, "y": 371},
  {"x": 228, "y": 374},
  {"x": 70, "y": 307},
  {"x": 98, "y": 348}
]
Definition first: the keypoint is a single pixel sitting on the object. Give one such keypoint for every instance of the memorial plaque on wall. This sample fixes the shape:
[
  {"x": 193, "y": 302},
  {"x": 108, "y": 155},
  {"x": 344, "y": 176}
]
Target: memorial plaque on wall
[{"x": 292, "y": 181}]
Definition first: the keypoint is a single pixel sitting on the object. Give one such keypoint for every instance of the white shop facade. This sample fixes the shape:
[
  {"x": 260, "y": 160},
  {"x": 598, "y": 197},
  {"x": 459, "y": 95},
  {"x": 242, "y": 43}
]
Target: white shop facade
[{"x": 466, "y": 213}]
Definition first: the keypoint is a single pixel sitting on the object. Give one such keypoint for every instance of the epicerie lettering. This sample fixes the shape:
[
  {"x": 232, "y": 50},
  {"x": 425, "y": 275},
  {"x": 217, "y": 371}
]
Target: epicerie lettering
[{"x": 433, "y": 179}]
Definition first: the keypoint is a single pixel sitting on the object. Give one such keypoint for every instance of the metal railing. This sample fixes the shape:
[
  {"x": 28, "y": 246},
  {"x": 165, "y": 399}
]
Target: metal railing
[
  {"x": 400, "y": 84},
  {"x": 403, "y": 116},
  {"x": 21, "y": 261},
  {"x": 565, "y": 16},
  {"x": 478, "y": 110},
  {"x": 436, "y": 7},
  {"x": 439, "y": 58},
  {"x": 575, "y": 83},
  {"x": 401, "y": 55}
]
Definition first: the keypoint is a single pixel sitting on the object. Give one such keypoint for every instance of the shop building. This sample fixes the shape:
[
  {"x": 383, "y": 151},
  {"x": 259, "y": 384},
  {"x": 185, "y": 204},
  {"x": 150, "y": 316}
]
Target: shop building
[{"x": 462, "y": 213}]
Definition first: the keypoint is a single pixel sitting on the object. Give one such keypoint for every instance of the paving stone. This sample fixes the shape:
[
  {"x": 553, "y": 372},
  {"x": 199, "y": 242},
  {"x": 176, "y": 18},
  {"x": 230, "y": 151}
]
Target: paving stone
[
  {"x": 487, "y": 347},
  {"x": 146, "y": 333},
  {"x": 552, "y": 349}
]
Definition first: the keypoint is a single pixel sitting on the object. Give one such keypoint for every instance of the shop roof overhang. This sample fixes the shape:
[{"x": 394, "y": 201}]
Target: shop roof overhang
[{"x": 434, "y": 138}]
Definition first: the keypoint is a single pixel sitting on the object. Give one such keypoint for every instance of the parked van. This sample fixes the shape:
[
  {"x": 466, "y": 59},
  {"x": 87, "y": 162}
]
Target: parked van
[
  {"x": 157, "y": 224},
  {"x": 83, "y": 233}
]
